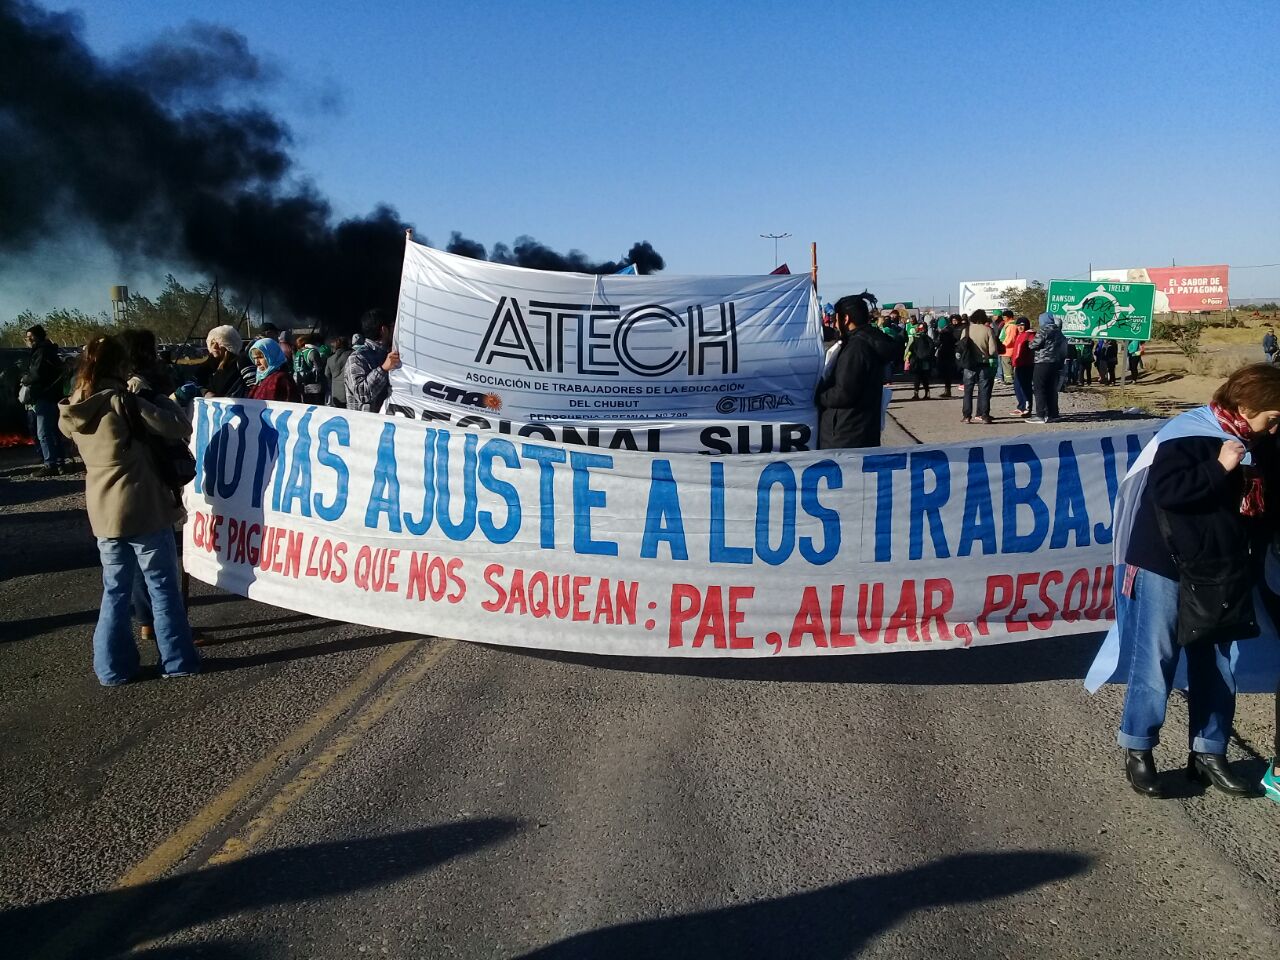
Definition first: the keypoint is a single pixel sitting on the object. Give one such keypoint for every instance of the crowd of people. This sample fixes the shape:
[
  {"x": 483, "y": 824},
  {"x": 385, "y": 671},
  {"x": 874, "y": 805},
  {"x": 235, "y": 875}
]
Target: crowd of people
[
  {"x": 126, "y": 409},
  {"x": 1192, "y": 536},
  {"x": 973, "y": 351}
]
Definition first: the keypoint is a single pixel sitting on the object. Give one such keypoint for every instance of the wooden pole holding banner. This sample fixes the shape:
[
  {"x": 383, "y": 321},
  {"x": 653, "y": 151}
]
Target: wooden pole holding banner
[{"x": 813, "y": 265}]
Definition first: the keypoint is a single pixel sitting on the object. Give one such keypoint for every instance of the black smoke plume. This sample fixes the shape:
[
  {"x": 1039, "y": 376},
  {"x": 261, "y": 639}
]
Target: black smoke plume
[{"x": 152, "y": 153}]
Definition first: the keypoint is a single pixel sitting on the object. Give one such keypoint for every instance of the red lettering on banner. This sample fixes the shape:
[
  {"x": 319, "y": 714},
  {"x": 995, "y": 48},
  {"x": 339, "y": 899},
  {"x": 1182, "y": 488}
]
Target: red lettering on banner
[
  {"x": 1079, "y": 582},
  {"x": 431, "y": 576},
  {"x": 1024, "y": 581},
  {"x": 293, "y": 554},
  {"x": 904, "y": 615},
  {"x": 939, "y": 596},
  {"x": 1044, "y": 621},
  {"x": 837, "y": 638},
  {"x": 711, "y": 623},
  {"x": 738, "y": 595},
  {"x": 686, "y": 600},
  {"x": 491, "y": 574},
  {"x": 580, "y": 597},
  {"x": 215, "y": 529},
  {"x": 999, "y": 593},
  {"x": 870, "y": 595},
  {"x": 808, "y": 621}
]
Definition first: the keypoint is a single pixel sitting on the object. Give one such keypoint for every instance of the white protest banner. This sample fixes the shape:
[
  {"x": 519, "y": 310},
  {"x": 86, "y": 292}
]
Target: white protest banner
[
  {"x": 469, "y": 534},
  {"x": 695, "y": 364}
]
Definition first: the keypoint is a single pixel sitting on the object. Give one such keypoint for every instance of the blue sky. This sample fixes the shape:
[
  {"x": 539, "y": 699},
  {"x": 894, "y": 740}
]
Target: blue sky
[{"x": 919, "y": 144}]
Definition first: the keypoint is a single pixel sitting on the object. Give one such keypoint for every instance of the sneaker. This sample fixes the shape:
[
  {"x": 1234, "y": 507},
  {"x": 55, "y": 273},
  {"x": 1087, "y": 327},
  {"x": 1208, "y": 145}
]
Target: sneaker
[
  {"x": 1037, "y": 420},
  {"x": 1271, "y": 782},
  {"x": 179, "y": 673},
  {"x": 49, "y": 471},
  {"x": 985, "y": 420}
]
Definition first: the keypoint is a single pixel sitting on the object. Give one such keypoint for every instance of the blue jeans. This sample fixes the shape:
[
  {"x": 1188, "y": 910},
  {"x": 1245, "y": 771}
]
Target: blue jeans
[
  {"x": 1149, "y": 621},
  {"x": 155, "y": 556},
  {"x": 978, "y": 381},
  {"x": 47, "y": 435}
]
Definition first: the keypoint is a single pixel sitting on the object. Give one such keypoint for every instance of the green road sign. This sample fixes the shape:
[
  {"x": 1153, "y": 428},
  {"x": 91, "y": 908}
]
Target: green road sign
[{"x": 1103, "y": 310}]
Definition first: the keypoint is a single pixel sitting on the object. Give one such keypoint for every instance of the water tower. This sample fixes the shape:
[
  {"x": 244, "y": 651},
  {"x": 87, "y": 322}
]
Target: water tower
[{"x": 119, "y": 300}]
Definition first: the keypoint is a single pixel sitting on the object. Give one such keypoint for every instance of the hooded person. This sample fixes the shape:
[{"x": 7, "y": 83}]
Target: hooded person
[
  {"x": 272, "y": 380},
  {"x": 1049, "y": 350},
  {"x": 132, "y": 510}
]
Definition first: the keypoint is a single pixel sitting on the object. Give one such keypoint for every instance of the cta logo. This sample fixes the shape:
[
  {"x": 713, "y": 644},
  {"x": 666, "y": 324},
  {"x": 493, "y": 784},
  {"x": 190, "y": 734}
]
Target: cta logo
[
  {"x": 761, "y": 401},
  {"x": 466, "y": 398}
]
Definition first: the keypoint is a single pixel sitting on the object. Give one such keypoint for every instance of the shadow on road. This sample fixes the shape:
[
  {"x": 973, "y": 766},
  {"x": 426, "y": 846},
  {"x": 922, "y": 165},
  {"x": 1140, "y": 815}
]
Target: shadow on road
[
  {"x": 1059, "y": 658},
  {"x": 833, "y": 922},
  {"x": 107, "y": 924},
  {"x": 322, "y": 648},
  {"x": 50, "y": 541}
]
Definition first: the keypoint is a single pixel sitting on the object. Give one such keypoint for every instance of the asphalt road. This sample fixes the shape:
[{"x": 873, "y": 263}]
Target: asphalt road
[{"x": 328, "y": 790}]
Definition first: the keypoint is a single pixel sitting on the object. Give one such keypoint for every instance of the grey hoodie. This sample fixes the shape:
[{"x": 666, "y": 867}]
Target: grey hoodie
[
  {"x": 1049, "y": 345},
  {"x": 124, "y": 494}
]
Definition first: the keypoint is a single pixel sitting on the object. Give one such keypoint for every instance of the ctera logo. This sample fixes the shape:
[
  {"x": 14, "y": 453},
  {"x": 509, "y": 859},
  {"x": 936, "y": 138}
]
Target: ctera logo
[
  {"x": 761, "y": 401},
  {"x": 468, "y": 398}
]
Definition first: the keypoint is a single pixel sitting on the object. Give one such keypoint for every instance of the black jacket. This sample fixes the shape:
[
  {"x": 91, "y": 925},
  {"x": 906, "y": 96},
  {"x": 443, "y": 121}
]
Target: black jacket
[
  {"x": 45, "y": 373},
  {"x": 850, "y": 396},
  {"x": 1202, "y": 502}
]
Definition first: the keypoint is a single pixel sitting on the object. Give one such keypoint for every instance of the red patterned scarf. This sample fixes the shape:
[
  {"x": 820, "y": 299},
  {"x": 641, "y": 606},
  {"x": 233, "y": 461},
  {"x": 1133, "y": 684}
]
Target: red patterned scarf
[{"x": 1236, "y": 425}]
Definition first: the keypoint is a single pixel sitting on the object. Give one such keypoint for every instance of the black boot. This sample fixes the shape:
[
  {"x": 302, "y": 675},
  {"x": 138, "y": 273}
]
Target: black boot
[
  {"x": 1211, "y": 769},
  {"x": 1140, "y": 771}
]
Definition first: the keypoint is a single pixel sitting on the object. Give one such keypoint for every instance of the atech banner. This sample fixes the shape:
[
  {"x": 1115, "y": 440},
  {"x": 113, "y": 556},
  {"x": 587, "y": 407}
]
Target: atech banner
[
  {"x": 698, "y": 364},
  {"x": 431, "y": 529},
  {"x": 1179, "y": 289}
]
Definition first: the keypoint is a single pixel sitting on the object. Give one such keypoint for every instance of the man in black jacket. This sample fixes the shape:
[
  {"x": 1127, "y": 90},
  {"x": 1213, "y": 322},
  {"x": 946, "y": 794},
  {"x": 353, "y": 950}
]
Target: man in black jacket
[
  {"x": 850, "y": 392},
  {"x": 43, "y": 381}
]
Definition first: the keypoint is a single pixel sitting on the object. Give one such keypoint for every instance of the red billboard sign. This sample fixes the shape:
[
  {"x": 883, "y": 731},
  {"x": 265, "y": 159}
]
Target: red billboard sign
[
  {"x": 1178, "y": 289},
  {"x": 1192, "y": 288}
]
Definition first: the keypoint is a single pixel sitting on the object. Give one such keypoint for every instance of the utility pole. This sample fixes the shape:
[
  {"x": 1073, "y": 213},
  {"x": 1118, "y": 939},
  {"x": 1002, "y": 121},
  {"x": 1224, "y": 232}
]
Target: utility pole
[{"x": 775, "y": 237}]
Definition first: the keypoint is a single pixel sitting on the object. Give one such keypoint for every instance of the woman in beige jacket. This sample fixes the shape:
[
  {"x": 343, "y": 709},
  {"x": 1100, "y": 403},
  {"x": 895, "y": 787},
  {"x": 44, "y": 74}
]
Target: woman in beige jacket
[{"x": 131, "y": 511}]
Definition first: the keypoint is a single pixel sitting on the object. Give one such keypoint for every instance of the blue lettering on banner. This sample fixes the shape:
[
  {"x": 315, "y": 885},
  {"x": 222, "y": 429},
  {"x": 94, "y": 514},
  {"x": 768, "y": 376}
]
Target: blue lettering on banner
[
  {"x": 203, "y": 412},
  {"x": 235, "y": 413},
  {"x": 384, "y": 498},
  {"x": 585, "y": 499},
  {"x": 830, "y": 471},
  {"x": 1016, "y": 495},
  {"x": 1102, "y": 532},
  {"x": 1070, "y": 512},
  {"x": 883, "y": 466},
  {"x": 663, "y": 519},
  {"x": 423, "y": 523},
  {"x": 339, "y": 429},
  {"x": 298, "y": 487},
  {"x": 462, "y": 529},
  {"x": 978, "y": 524},
  {"x": 928, "y": 506},
  {"x": 546, "y": 458},
  {"x": 775, "y": 474},
  {"x": 505, "y": 451},
  {"x": 276, "y": 447},
  {"x": 721, "y": 552}
]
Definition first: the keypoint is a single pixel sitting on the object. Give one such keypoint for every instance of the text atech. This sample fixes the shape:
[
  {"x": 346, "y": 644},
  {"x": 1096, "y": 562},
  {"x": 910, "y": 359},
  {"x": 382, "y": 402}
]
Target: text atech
[{"x": 649, "y": 341}]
